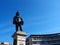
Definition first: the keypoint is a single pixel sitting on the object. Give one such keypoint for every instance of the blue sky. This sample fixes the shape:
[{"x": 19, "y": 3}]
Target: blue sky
[{"x": 40, "y": 17}]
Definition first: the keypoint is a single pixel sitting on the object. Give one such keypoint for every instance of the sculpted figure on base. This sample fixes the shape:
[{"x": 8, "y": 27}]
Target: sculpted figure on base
[{"x": 18, "y": 21}]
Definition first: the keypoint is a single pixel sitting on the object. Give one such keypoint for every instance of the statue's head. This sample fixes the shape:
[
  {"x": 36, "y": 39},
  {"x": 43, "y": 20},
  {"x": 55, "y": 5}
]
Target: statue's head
[{"x": 17, "y": 13}]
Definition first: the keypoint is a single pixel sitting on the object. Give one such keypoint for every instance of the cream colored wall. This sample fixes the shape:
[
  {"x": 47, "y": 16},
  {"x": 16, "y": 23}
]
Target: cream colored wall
[{"x": 21, "y": 40}]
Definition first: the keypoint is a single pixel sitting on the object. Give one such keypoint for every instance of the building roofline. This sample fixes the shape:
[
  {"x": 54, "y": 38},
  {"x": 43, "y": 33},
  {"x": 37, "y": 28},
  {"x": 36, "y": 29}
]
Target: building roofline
[{"x": 42, "y": 35}]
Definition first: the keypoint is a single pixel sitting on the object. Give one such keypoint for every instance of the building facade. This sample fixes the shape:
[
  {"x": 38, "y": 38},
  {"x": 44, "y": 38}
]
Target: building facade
[{"x": 44, "y": 39}]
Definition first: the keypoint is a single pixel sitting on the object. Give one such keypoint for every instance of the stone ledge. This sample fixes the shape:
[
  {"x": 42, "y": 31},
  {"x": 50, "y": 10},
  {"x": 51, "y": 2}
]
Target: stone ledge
[{"x": 21, "y": 33}]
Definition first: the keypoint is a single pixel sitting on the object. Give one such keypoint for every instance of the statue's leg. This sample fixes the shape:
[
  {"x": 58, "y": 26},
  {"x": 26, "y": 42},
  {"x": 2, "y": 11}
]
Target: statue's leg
[
  {"x": 16, "y": 27},
  {"x": 20, "y": 28}
]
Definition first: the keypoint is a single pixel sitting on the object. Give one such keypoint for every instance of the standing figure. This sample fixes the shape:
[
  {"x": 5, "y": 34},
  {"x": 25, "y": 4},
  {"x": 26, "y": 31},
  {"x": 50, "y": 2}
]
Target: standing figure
[{"x": 17, "y": 20}]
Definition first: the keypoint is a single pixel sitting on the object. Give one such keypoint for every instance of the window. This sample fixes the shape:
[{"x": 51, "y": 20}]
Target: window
[
  {"x": 34, "y": 42},
  {"x": 34, "y": 38},
  {"x": 42, "y": 42}
]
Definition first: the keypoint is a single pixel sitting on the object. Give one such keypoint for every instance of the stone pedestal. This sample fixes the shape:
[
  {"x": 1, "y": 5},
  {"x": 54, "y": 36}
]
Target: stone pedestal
[{"x": 19, "y": 38}]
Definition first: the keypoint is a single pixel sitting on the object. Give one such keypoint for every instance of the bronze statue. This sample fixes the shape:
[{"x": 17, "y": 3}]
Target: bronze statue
[{"x": 17, "y": 20}]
